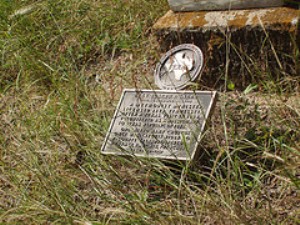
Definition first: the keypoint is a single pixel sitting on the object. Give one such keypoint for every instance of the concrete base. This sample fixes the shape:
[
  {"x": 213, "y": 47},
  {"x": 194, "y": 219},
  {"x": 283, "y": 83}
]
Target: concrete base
[{"x": 243, "y": 45}]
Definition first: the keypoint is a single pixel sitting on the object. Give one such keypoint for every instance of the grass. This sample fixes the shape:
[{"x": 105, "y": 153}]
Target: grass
[{"x": 63, "y": 66}]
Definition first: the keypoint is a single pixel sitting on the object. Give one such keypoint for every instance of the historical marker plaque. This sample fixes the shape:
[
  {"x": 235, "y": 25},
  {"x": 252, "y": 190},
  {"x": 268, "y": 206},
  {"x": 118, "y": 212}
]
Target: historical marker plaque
[{"x": 161, "y": 124}]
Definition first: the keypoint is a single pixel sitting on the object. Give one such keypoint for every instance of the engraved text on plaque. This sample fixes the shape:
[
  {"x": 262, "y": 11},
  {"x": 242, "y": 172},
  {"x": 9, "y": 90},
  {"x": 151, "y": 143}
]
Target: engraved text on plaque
[{"x": 162, "y": 124}]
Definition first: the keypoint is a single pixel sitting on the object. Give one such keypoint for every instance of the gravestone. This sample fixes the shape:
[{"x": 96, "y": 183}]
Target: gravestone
[
  {"x": 165, "y": 124},
  {"x": 200, "y": 5},
  {"x": 243, "y": 46}
]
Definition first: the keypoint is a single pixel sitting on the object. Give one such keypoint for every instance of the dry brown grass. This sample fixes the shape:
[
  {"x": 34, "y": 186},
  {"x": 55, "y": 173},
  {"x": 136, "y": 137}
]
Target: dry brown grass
[{"x": 63, "y": 67}]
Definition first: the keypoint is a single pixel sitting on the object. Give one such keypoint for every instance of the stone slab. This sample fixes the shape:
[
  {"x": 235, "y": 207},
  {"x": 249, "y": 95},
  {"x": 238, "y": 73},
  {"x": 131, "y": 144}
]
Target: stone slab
[
  {"x": 199, "y": 5},
  {"x": 161, "y": 124},
  {"x": 277, "y": 18}
]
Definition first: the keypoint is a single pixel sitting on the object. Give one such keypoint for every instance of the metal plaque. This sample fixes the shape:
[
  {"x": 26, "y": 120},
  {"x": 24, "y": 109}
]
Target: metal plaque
[
  {"x": 179, "y": 67},
  {"x": 161, "y": 124}
]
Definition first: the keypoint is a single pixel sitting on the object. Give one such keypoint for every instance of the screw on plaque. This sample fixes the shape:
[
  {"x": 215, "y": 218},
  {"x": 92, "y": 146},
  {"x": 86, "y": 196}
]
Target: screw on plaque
[{"x": 179, "y": 67}]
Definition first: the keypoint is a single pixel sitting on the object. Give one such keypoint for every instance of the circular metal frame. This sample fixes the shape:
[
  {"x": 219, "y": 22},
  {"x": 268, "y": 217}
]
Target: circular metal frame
[{"x": 176, "y": 71}]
